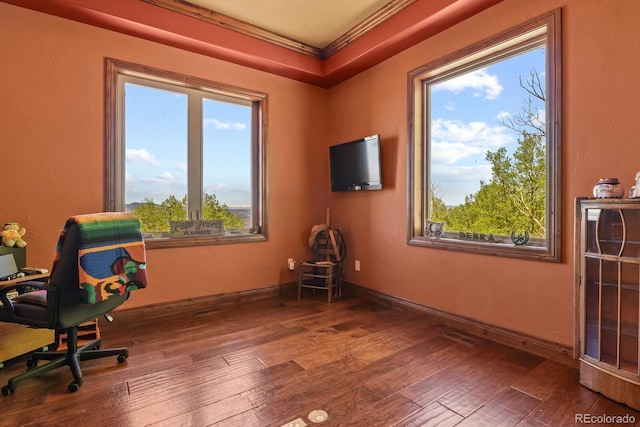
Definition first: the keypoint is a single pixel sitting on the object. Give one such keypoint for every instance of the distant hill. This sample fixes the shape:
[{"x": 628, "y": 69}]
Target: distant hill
[
  {"x": 244, "y": 212},
  {"x": 132, "y": 206}
]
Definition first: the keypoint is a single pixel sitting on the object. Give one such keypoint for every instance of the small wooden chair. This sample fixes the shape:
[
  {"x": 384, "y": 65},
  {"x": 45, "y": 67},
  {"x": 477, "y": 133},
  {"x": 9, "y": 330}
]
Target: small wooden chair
[{"x": 324, "y": 272}]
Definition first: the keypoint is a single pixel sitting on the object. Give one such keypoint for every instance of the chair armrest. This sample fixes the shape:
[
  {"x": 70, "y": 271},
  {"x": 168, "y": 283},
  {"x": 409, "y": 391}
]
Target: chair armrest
[{"x": 4, "y": 290}]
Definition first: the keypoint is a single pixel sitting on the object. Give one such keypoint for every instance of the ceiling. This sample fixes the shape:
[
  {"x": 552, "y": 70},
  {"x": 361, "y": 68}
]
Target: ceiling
[
  {"x": 321, "y": 42},
  {"x": 313, "y": 22},
  {"x": 318, "y": 28}
]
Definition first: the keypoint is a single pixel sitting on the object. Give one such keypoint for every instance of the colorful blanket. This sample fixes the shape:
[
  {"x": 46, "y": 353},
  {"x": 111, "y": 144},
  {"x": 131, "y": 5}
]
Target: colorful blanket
[{"x": 111, "y": 255}]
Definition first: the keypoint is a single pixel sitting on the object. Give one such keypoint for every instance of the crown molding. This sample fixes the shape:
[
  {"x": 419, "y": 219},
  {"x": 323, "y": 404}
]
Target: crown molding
[
  {"x": 396, "y": 27},
  {"x": 225, "y": 21}
]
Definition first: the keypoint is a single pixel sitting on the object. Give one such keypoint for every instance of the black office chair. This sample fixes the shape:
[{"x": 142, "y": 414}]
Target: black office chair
[{"x": 99, "y": 259}]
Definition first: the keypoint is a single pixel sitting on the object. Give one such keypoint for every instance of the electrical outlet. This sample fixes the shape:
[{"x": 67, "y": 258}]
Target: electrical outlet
[{"x": 357, "y": 265}]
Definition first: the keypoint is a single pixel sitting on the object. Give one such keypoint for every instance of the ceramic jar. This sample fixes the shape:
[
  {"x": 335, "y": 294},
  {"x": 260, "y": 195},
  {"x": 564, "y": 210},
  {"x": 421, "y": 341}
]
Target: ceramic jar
[{"x": 608, "y": 188}]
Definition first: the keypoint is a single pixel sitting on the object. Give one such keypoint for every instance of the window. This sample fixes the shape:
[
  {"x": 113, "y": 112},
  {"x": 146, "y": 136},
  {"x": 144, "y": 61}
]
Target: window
[
  {"x": 181, "y": 148},
  {"x": 484, "y": 155}
]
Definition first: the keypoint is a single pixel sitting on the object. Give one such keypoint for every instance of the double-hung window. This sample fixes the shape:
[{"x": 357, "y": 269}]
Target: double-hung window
[{"x": 183, "y": 153}]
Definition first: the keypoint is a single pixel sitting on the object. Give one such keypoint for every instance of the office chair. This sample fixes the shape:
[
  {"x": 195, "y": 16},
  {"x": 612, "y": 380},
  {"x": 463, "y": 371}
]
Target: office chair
[
  {"x": 324, "y": 272},
  {"x": 99, "y": 259}
]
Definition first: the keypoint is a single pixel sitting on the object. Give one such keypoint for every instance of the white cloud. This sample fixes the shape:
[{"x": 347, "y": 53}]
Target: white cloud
[
  {"x": 472, "y": 134},
  {"x": 141, "y": 156},
  {"x": 485, "y": 84},
  {"x": 224, "y": 125},
  {"x": 502, "y": 115},
  {"x": 461, "y": 173},
  {"x": 164, "y": 178},
  {"x": 167, "y": 176},
  {"x": 541, "y": 117},
  {"x": 446, "y": 153},
  {"x": 458, "y": 152}
]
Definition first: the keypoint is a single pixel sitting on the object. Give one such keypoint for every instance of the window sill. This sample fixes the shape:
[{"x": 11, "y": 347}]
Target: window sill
[
  {"x": 178, "y": 242},
  {"x": 531, "y": 251}
]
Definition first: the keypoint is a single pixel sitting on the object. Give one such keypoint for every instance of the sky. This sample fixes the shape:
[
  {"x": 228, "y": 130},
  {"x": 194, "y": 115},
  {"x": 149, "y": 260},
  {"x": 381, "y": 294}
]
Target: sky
[
  {"x": 465, "y": 114},
  {"x": 156, "y": 147}
]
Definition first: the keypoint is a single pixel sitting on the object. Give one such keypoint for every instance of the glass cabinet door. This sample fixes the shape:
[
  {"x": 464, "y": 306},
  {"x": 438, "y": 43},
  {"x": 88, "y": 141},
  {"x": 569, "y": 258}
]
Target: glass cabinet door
[
  {"x": 611, "y": 277},
  {"x": 629, "y": 316},
  {"x": 631, "y": 221},
  {"x": 610, "y": 232},
  {"x": 592, "y": 308}
]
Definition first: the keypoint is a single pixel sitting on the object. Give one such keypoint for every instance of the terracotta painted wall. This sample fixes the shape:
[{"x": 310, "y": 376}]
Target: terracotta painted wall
[
  {"x": 51, "y": 124},
  {"x": 600, "y": 138},
  {"x": 51, "y": 118}
]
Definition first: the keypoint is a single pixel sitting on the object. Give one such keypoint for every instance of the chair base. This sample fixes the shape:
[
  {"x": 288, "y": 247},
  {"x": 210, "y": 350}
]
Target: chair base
[{"x": 71, "y": 358}]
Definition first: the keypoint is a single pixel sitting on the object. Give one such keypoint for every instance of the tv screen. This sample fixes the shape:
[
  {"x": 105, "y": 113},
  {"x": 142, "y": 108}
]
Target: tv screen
[{"x": 355, "y": 165}]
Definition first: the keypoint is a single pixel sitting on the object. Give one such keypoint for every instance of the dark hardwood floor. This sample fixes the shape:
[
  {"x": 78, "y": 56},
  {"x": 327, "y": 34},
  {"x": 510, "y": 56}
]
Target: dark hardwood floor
[{"x": 270, "y": 362}]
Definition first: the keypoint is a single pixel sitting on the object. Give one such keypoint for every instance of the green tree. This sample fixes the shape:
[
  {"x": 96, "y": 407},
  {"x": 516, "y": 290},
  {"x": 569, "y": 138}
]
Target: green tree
[
  {"x": 213, "y": 209},
  {"x": 515, "y": 196},
  {"x": 156, "y": 217},
  {"x": 437, "y": 208}
]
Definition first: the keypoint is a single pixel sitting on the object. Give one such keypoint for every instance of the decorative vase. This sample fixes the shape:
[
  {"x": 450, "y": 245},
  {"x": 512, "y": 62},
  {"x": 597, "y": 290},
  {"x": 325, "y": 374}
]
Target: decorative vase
[
  {"x": 608, "y": 188},
  {"x": 433, "y": 229}
]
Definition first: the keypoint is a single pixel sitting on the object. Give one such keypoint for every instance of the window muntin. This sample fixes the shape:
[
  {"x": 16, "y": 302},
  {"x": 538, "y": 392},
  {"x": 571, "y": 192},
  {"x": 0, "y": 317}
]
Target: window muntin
[
  {"x": 532, "y": 49},
  {"x": 184, "y": 148}
]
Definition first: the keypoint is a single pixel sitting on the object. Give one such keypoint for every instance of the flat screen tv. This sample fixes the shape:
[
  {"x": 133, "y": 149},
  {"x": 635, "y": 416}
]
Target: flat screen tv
[{"x": 355, "y": 165}]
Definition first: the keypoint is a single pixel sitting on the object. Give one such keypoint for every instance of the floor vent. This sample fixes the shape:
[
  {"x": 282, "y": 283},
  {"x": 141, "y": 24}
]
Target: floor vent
[{"x": 460, "y": 338}]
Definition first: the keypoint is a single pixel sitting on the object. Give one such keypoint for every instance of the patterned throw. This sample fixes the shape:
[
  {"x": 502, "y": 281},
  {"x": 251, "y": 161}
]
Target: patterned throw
[{"x": 111, "y": 255}]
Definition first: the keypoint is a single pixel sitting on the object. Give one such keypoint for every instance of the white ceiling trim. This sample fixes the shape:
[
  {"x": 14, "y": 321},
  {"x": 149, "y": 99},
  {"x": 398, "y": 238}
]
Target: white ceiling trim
[{"x": 278, "y": 25}]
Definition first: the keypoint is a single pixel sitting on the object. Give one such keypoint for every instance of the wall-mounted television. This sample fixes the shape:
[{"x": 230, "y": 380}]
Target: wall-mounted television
[{"x": 355, "y": 165}]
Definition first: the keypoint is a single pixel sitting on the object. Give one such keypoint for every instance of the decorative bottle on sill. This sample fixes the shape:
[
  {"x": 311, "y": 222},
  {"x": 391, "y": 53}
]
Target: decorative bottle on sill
[{"x": 608, "y": 188}]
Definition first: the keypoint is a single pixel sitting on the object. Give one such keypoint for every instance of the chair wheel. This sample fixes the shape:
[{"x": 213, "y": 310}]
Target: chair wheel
[
  {"x": 73, "y": 387},
  {"x": 122, "y": 358},
  {"x": 6, "y": 391},
  {"x": 31, "y": 363}
]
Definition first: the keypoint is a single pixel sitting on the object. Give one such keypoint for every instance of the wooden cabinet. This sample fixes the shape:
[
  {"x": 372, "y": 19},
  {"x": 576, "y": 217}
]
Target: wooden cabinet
[
  {"x": 16, "y": 340},
  {"x": 608, "y": 276}
]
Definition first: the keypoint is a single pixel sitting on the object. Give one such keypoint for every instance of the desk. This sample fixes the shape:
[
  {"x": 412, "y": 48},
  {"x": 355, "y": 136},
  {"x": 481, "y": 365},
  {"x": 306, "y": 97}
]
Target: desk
[{"x": 16, "y": 340}]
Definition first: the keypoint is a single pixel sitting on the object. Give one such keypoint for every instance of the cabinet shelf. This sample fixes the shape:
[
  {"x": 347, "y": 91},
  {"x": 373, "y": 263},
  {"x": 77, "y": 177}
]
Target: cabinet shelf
[
  {"x": 609, "y": 257},
  {"x": 626, "y": 329},
  {"x": 632, "y": 287}
]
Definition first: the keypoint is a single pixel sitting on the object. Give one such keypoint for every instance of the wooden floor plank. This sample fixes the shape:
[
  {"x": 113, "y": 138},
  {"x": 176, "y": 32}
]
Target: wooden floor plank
[
  {"x": 509, "y": 407},
  {"x": 271, "y": 361},
  {"x": 432, "y": 415},
  {"x": 387, "y": 412}
]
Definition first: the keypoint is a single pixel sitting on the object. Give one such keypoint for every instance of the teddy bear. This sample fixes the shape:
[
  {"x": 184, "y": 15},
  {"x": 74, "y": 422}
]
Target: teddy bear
[{"x": 12, "y": 235}]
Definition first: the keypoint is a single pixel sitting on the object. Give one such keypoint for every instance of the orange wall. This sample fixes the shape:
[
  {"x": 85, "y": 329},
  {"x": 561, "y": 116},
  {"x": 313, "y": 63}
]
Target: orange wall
[
  {"x": 600, "y": 116},
  {"x": 51, "y": 124},
  {"x": 51, "y": 83}
]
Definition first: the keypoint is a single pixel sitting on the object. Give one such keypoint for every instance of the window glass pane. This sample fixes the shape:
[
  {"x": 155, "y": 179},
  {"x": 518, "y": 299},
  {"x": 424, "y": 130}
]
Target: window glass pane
[
  {"x": 484, "y": 130},
  {"x": 156, "y": 141},
  {"x": 227, "y": 162},
  {"x": 181, "y": 150},
  {"x": 488, "y": 149}
]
